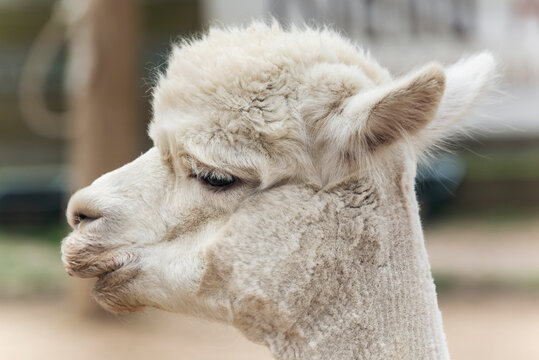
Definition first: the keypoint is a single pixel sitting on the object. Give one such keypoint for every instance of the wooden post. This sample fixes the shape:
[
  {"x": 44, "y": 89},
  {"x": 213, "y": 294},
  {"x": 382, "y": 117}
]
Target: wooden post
[{"x": 104, "y": 117}]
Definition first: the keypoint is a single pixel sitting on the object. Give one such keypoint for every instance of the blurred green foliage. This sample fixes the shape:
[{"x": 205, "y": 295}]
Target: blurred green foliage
[
  {"x": 30, "y": 261},
  {"x": 503, "y": 164},
  {"x": 21, "y": 23},
  {"x": 447, "y": 282}
]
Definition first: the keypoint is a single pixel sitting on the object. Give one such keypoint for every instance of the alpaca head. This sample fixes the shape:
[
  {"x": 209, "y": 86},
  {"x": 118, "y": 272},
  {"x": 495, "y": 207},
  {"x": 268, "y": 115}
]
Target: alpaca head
[{"x": 281, "y": 161}]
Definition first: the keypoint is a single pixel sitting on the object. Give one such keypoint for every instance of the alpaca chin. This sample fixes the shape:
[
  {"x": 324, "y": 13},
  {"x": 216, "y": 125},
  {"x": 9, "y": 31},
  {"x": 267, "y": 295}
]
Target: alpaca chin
[{"x": 114, "y": 291}]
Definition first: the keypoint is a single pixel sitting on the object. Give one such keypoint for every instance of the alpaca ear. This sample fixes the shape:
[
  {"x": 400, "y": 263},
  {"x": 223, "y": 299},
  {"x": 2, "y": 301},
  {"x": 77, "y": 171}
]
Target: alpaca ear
[
  {"x": 466, "y": 81},
  {"x": 381, "y": 116}
]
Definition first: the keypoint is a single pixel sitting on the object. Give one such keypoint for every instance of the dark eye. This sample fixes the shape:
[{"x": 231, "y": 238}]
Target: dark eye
[{"x": 217, "y": 180}]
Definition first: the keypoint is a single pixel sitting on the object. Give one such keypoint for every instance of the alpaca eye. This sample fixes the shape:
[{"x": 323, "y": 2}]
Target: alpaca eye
[{"x": 217, "y": 180}]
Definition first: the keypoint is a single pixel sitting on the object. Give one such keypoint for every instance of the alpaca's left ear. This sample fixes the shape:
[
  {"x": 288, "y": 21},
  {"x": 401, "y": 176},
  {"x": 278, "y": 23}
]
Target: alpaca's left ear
[
  {"x": 378, "y": 117},
  {"x": 424, "y": 106},
  {"x": 466, "y": 81}
]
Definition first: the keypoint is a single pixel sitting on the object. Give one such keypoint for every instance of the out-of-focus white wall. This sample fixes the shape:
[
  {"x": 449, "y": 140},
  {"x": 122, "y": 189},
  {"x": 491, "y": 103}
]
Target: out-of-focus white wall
[{"x": 233, "y": 12}]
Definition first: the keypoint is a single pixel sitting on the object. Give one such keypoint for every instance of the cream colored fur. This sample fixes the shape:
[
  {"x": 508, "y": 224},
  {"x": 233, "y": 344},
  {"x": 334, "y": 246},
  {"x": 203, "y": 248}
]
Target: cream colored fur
[{"x": 316, "y": 250}]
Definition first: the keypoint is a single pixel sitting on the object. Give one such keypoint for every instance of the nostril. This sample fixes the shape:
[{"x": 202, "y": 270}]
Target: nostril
[
  {"x": 83, "y": 208},
  {"x": 82, "y": 215}
]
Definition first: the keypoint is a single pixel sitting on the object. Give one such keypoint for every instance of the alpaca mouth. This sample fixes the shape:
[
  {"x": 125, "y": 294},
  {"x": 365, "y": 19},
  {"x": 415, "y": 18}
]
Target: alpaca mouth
[
  {"x": 121, "y": 274},
  {"x": 91, "y": 270},
  {"x": 91, "y": 261},
  {"x": 101, "y": 276}
]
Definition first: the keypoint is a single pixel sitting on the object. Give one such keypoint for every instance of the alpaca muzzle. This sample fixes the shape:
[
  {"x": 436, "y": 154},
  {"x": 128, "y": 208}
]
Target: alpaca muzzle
[{"x": 87, "y": 261}]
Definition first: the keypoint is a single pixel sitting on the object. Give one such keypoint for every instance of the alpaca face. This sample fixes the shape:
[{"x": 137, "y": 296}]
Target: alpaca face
[
  {"x": 266, "y": 141},
  {"x": 142, "y": 230}
]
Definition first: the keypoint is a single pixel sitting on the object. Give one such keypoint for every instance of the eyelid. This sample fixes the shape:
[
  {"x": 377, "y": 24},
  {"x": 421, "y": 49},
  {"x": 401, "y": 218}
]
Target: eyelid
[
  {"x": 205, "y": 173},
  {"x": 201, "y": 171},
  {"x": 216, "y": 182}
]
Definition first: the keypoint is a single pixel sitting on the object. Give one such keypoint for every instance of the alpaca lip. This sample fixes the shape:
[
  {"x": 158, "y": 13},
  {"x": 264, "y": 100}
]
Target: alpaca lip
[
  {"x": 84, "y": 263},
  {"x": 92, "y": 270}
]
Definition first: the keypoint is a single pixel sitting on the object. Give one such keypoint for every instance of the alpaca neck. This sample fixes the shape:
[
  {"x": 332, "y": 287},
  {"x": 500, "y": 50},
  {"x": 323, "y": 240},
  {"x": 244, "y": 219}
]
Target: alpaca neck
[
  {"x": 397, "y": 317},
  {"x": 382, "y": 303},
  {"x": 357, "y": 285}
]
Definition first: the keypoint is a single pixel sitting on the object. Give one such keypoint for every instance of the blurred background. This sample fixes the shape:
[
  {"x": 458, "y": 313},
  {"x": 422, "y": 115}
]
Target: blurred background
[{"x": 75, "y": 80}]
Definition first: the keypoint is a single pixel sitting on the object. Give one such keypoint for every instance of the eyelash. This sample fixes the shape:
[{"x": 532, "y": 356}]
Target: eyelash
[{"x": 215, "y": 180}]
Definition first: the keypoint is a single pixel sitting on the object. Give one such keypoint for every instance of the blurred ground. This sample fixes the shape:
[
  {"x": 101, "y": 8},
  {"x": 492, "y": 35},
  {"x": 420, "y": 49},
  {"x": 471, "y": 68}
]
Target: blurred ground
[
  {"x": 487, "y": 274},
  {"x": 493, "y": 327},
  {"x": 486, "y": 268},
  {"x": 57, "y": 334},
  {"x": 486, "y": 252}
]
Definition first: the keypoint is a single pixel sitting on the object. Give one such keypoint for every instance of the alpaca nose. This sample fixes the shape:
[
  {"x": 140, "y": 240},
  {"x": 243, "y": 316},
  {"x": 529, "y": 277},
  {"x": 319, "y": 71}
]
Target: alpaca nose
[{"x": 81, "y": 209}]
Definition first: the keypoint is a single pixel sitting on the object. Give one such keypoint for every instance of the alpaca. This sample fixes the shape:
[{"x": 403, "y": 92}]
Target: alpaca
[{"x": 279, "y": 195}]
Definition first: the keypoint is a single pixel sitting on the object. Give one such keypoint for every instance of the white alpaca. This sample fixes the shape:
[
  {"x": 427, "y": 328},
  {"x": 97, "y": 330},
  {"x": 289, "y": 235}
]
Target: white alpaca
[{"x": 279, "y": 196}]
